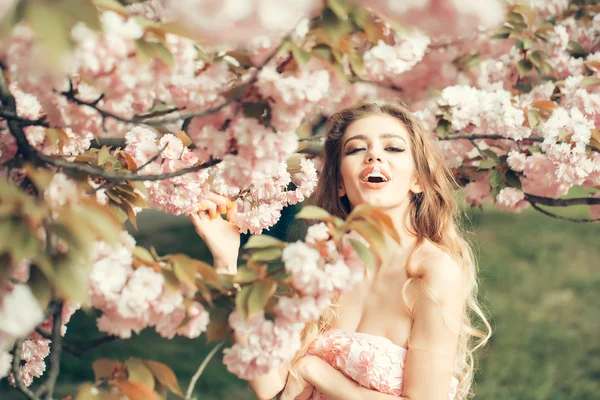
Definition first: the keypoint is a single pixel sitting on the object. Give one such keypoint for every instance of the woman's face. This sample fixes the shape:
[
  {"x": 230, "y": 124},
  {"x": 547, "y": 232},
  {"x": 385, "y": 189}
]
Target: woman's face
[{"x": 377, "y": 165}]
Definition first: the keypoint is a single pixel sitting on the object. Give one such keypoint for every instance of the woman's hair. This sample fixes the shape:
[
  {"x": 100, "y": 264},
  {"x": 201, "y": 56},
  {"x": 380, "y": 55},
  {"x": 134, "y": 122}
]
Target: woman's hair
[{"x": 433, "y": 216}]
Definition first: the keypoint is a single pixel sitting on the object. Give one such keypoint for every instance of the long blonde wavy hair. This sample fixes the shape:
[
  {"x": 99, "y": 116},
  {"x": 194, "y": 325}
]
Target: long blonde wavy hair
[{"x": 433, "y": 215}]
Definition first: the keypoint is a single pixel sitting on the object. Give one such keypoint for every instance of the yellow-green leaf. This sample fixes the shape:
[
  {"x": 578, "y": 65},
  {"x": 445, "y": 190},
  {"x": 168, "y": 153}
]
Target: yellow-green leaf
[
  {"x": 83, "y": 10},
  {"x": 241, "y": 300},
  {"x": 313, "y": 212},
  {"x": 103, "y": 155},
  {"x": 72, "y": 280},
  {"x": 185, "y": 270},
  {"x": 245, "y": 275},
  {"x": 260, "y": 294},
  {"x": 137, "y": 371},
  {"x": 268, "y": 254},
  {"x": 371, "y": 234},
  {"x": 52, "y": 29},
  {"x": 164, "y": 375},
  {"x": 263, "y": 241},
  {"x": 88, "y": 391},
  {"x": 365, "y": 254}
]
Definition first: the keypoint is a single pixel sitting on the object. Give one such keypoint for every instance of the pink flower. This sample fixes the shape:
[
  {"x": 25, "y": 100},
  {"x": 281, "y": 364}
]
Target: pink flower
[{"x": 511, "y": 199}]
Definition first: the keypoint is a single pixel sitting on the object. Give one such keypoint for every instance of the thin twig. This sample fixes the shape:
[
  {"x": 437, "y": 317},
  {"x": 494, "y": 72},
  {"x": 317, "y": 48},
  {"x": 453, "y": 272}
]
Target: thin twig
[
  {"x": 549, "y": 214},
  {"x": 16, "y": 370},
  {"x": 209, "y": 356},
  {"x": 151, "y": 160}
]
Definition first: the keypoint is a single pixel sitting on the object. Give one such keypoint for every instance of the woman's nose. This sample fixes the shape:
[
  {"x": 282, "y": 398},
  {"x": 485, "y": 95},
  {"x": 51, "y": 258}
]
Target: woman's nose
[{"x": 373, "y": 156}]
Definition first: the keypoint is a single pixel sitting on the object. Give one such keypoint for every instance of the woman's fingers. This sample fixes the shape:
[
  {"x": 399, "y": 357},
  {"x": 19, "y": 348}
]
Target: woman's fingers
[
  {"x": 232, "y": 208},
  {"x": 220, "y": 201},
  {"x": 208, "y": 207}
]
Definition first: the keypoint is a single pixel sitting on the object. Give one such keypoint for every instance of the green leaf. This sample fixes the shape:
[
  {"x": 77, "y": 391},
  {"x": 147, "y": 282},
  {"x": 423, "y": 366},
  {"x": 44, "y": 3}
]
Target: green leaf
[
  {"x": 528, "y": 44},
  {"x": 524, "y": 66},
  {"x": 315, "y": 213},
  {"x": 241, "y": 300},
  {"x": 138, "y": 372},
  {"x": 339, "y": 7},
  {"x": 164, "y": 54},
  {"x": 40, "y": 287},
  {"x": 144, "y": 50},
  {"x": 263, "y": 241},
  {"x": 245, "y": 275},
  {"x": 487, "y": 164},
  {"x": 72, "y": 280},
  {"x": 103, "y": 155},
  {"x": 576, "y": 49},
  {"x": 496, "y": 179},
  {"x": 83, "y": 10},
  {"x": 512, "y": 179},
  {"x": 356, "y": 63},
  {"x": 300, "y": 55},
  {"x": 52, "y": 28},
  {"x": 365, "y": 254},
  {"x": 144, "y": 255},
  {"x": 218, "y": 327},
  {"x": 184, "y": 269},
  {"x": 268, "y": 254},
  {"x": 260, "y": 294},
  {"x": 589, "y": 81},
  {"x": 536, "y": 58},
  {"x": 372, "y": 235},
  {"x": 533, "y": 117}
]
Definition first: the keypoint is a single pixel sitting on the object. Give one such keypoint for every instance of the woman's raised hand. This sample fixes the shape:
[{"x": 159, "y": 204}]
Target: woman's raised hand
[{"x": 220, "y": 234}]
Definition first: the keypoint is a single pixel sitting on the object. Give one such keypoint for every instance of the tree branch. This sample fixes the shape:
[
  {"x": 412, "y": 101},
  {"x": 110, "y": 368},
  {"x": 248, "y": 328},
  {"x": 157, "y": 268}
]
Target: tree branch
[
  {"x": 549, "y": 214},
  {"x": 500, "y": 137},
  {"x": 54, "y": 359},
  {"x": 551, "y": 202},
  {"x": 209, "y": 356},
  {"x": 16, "y": 370},
  {"x": 6, "y": 114}
]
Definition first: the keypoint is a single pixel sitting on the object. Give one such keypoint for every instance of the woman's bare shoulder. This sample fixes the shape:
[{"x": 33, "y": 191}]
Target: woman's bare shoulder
[{"x": 438, "y": 268}]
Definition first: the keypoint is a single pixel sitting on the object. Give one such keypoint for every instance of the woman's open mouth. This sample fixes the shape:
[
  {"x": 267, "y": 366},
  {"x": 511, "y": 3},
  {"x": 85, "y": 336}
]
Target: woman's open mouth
[{"x": 374, "y": 177}]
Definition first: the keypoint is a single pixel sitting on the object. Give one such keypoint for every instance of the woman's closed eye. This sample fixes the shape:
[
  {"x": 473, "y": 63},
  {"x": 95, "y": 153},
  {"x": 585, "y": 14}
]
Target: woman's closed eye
[
  {"x": 395, "y": 149},
  {"x": 354, "y": 150}
]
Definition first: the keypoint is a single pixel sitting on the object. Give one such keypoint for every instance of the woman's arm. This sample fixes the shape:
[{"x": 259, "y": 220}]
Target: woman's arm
[
  {"x": 334, "y": 384},
  {"x": 430, "y": 360}
]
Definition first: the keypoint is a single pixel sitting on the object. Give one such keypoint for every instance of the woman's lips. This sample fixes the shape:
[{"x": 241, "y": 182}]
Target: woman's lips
[
  {"x": 363, "y": 177},
  {"x": 365, "y": 172}
]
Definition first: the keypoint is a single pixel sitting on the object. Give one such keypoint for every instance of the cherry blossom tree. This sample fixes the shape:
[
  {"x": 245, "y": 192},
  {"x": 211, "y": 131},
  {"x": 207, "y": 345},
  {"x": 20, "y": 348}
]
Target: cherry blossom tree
[{"x": 107, "y": 109}]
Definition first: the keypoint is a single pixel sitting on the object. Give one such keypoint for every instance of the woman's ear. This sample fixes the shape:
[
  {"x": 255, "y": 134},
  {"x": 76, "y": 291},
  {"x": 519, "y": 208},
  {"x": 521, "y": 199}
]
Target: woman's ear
[
  {"x": 341, "y": 190},
  {"x": 416, "y": 187}
]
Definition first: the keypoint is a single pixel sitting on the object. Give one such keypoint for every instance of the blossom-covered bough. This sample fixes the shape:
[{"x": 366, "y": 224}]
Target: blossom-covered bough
[{"x": 108, "y": 109}]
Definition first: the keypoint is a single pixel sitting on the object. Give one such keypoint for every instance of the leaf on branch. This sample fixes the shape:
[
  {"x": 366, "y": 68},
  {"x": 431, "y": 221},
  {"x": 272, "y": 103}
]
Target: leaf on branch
[
  {"x": 371, "y": 234},
  {"x": 52, "y": 28},
  {"x": 112, "y": 5},
  {"x": 104, "y": 368},
  {"x": 266, "y": 254},
  {"x": 576, "y": 49},
  {"x": 138, "y": 372},
  {"x": 185, "y": 269},
  {"x": 241, "y": 301},
  {"x": 136, "y": 391},
  {"x": 300, "y": 55},
  {"x": 263, "y": 241},
  {"x": 245, "y": 275},
  {"x": 523, "y": 67},
  {"x": 164, "y": 375},
  {"x": 365, "y": 254},
  {"x": 82, "y": 10},
  {"x": 260, "y": 294},
  {"x": 88, "y": 391},
  {"x": 315, "y": 213},
  {"x": 72, "y": 279}
]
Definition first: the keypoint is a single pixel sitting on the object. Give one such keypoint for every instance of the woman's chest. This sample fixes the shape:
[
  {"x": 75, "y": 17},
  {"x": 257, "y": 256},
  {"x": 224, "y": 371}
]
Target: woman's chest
[{"x": 376, "y": 306}]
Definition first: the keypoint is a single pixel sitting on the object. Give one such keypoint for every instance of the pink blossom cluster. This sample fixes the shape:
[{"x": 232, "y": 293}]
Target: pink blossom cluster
[
  {"x": 132, "y": 299},
  {"x": 258, "y": 166},
  {"x": 298, "y": 95},
  {"x": 455, "y": 18},
  {"x": 318, "y": 271},
  {"x": 236, "y": 22},
  {"x": 385, "y": 61}
]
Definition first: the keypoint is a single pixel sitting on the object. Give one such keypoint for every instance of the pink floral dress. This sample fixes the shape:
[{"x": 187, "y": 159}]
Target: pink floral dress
[{"x": 372, "y": 361}]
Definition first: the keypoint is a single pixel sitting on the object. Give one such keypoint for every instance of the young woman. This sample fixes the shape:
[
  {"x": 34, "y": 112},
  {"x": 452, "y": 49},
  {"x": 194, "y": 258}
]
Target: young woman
[{"x": 406, "y": 330}]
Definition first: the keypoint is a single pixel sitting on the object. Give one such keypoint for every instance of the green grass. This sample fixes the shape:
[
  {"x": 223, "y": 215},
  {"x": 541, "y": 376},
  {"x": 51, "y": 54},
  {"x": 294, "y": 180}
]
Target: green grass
[{"x": 539, "y": 282}]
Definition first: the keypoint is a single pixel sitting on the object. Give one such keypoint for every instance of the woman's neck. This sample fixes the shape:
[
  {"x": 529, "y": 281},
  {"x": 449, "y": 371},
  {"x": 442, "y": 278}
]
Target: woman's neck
[{"x": 401, "y": 221}]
